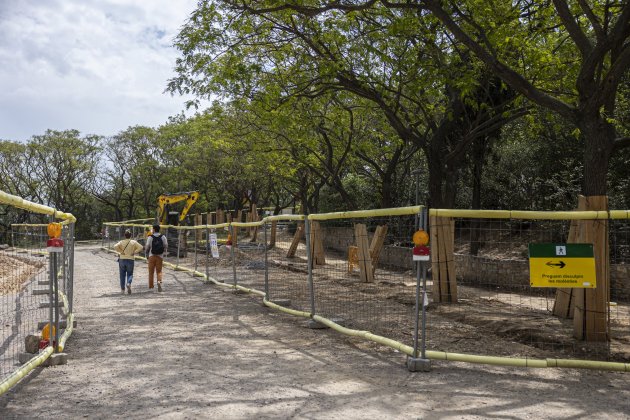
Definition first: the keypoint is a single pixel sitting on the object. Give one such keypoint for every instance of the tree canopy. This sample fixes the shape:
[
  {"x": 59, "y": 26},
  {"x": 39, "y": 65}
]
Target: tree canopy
[{"x": 330, "y": 105}]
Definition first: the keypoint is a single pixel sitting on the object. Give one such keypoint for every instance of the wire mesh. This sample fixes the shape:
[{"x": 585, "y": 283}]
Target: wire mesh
[
  {"x": 498, "y": 312},
  {"x": 25, "y": 288},
  {"x": 363, "y": 277},
  {"x": 374, "y": 292},
  {"x": 287, "y": 264}
]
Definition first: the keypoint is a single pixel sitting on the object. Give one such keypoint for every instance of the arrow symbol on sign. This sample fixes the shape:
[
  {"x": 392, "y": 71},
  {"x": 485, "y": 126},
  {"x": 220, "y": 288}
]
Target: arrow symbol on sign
[{"x": 560, "y": 264}]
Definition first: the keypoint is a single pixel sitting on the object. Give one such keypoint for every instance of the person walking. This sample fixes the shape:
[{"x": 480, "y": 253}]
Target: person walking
[
  {"x": 157, "y": 246},
  {"x": 126, "y": 249}
]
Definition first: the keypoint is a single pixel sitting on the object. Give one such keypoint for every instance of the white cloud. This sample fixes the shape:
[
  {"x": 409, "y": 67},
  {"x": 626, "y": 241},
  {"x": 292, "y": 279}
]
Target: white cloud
[{"x": 98, "y": 66}]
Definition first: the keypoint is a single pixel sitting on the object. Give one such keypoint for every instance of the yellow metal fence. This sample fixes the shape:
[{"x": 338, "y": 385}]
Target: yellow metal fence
[{"x": 481, "y": 306}]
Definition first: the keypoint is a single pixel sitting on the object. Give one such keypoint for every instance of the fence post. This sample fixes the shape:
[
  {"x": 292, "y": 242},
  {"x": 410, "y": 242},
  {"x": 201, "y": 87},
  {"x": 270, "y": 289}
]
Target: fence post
[
  {"x": 415, "y": 363},
  {"x": 196, "y": 246},
  {"x": 207, "y": 251},
  {"x": 51, "y": 285},
  {"x": 232, "y": 231},
  {"x": 264, "y": 226},
  {"x": 71, "y": 269},
  {"x": 179, "y": 241},
  {"x": 309, "y": 261},
  {"x": 55, "y": 342}
]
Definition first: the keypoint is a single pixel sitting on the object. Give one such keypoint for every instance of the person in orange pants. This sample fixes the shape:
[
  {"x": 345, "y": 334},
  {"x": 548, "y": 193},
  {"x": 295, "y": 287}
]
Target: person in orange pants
[{"x": 157, "y": 247}]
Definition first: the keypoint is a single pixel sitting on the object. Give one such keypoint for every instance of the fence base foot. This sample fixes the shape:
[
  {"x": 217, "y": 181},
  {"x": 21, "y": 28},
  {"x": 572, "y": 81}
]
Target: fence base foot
[
  {"x": 286, "y": 303},
  {"x": 55, "y": 359},
  {"x": 48, "y": 304},
  {"x": 319, "y": 326},
  {"x": 314, "y": 325},
  {"x": 418, "y": 365}
]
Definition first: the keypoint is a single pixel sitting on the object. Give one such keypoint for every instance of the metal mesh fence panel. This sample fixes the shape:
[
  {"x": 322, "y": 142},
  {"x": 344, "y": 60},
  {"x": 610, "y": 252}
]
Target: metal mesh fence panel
[
  {"x": 496, "y": 308},
  {"x": 358, "y": 271},
  {"x": 363, "y": 274},
  {"x": 249, "y": 256},
  {"x": 24, "y": 267},
  {"x": 29, "y": 301},
  {"x": 498, "y": 312},
  {"x": 287, "y": 264},
  {"x": 619, "y": 307}
]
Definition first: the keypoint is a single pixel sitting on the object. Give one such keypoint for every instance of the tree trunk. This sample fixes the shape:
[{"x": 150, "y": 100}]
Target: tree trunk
[
  {"x": 442, "y": 184},
  {"x": 386, "y": 192},
  {"x": 598, "y": 137}
]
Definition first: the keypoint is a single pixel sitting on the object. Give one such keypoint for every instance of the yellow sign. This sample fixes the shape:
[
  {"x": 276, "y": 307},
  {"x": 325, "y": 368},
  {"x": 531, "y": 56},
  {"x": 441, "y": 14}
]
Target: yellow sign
[{"x": 562, "y": 265}]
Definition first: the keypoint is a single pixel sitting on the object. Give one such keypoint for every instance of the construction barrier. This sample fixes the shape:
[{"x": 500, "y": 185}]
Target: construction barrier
[
  {"x": 353, "y": 272},
  {"x": 36, "y": 288}
]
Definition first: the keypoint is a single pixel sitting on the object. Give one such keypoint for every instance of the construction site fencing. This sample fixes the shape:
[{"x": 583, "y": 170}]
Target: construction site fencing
[
  {"x": 36, "y": 288},
  {"x": 353, "y": 271}
]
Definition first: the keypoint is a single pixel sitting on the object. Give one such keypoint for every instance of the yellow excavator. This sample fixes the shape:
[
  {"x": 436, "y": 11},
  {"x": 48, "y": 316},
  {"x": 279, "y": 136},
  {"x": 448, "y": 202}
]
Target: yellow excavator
[{"x": 165, "y": 216}]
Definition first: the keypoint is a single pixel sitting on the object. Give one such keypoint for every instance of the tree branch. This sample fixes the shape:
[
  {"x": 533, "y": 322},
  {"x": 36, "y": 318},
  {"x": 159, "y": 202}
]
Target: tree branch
[
  {"x": 576, "y": 33},
  {"x": 511, "y": 77}
]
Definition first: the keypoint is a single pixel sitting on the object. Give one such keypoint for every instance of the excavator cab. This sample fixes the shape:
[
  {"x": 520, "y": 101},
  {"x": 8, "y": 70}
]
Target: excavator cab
[{"x": 165, "y": 213}]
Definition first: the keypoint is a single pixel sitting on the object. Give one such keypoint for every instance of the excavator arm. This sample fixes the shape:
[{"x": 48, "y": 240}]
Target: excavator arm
[{"x": 165, "y": 200}]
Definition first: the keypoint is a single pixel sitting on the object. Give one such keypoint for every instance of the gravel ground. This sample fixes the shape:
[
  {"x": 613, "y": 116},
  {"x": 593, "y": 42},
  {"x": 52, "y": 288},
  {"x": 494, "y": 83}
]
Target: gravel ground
[{"x": 196, "y": 351}]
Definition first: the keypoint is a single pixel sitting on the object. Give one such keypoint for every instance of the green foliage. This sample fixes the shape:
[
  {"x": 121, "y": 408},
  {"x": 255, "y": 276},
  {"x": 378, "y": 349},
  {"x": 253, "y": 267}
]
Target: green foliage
[
  {"x": 331, "y": 108},
  {"x": 536, "y": 166}
]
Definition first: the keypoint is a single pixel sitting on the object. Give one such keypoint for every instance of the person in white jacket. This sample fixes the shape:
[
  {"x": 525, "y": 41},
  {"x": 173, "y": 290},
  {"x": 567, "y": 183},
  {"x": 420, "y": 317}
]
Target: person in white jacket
[{"x": 126, "y": 249}]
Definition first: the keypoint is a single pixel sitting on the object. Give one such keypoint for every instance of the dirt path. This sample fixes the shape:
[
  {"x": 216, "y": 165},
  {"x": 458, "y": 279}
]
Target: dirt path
[{"x": 195, "y": 351}]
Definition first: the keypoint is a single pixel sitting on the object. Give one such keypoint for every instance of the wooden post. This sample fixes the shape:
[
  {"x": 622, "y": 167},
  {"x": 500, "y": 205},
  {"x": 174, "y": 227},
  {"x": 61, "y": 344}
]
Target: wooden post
[
  {"x": 299, "y": 233},
  {"x": 365, "y": 261},
  {"x": 239, "y": 219},
  {"x": 274, "y": 228},
  {"x": 591, "y": 315},
  {"x": 377, "y": 245},
  {"x": 443, "y": 259},
  {"x": 248, "y": 218},
  {"x": 254, "y": 218},
  {"x": 317, "y": 245},
  {"x": 198, "y": 232},
  {"x": 220, "y": 217},
  {"x": 353, "y": 258},
  {"x": 564, "y": 304}
]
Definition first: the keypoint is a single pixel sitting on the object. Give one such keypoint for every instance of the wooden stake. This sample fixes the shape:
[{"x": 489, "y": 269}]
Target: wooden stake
[
  {"x": 220, "y": 217},
  {"x": 591, "y": 321},
  {"x": 365, "y": 261},
  {"x": 198, "y": 232},
  {"x": 378, "y": 240},
  {"x": 274, "y": 228},
  {"x": 299, "y": 234},
  {"x": 317, "y": 245},
  {"x": 443, "y": 259},
  {"x": 254, "y": 218}
]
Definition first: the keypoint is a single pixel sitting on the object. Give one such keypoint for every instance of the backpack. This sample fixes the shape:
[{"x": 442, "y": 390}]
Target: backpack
[{"x": 157, "y": 245}]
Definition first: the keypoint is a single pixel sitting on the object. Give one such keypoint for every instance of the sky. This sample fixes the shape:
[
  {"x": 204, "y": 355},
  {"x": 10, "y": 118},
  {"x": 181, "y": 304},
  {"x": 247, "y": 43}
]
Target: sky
[{"x": 98, "y": 66}]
